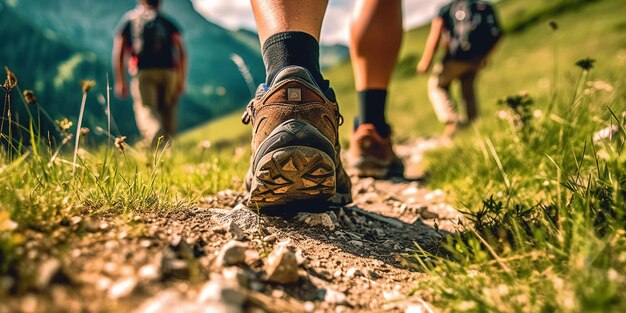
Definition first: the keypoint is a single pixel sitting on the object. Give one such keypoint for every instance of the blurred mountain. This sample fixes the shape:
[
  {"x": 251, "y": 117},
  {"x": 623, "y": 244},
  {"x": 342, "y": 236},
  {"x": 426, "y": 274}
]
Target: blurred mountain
[
  {"x": 52, "y": 44},
  {"x": 331, "y": 56}
]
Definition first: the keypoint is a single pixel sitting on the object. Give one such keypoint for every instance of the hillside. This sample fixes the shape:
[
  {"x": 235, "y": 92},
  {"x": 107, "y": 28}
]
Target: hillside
[
  {"x": 523, "y": 61},
  {"x": 52, "y": 68},
  {"x": 70, "y": 47},
  {"x": 82, "y": 33}
]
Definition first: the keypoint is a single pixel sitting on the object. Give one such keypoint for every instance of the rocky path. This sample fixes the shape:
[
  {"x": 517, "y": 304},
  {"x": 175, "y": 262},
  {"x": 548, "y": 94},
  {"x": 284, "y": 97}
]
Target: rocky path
[{"x": 222, "y": 257}]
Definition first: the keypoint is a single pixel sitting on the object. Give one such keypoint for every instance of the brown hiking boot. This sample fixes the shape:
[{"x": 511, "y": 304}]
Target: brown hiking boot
[
  {"x": 371, "y": 155},
  {"x": 295, "y": 144}
]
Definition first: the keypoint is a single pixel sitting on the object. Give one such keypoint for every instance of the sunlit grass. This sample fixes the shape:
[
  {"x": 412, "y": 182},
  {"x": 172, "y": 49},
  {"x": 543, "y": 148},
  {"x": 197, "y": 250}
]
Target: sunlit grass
[
  {"x": 47, "y": 180},
  {"x": 546, "y": 205},
  {"x": 544, "y": 193},
  {"x": 545, "y": 202}
]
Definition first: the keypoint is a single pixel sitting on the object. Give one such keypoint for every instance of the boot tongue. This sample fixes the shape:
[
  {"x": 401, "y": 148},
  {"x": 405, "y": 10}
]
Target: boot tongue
[
  {"x": 299, "y": 72},
  {"x": 294, "y": 72}
]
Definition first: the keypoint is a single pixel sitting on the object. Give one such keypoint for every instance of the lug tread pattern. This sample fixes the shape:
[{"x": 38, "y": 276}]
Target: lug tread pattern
[{"x": 292, "y": 175}]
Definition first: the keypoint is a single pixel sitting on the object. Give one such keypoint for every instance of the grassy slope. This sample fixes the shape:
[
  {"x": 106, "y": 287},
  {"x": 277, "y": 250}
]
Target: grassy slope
[
  {"x": 524, "y": 61},
  {"x": 547, "y": 204}
]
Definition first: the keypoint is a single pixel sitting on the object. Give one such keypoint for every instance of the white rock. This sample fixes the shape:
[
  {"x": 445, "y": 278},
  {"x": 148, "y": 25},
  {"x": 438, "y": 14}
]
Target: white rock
[
  {"x": 237, "y": 275},
  {"x": 334, "y": 297},
  {"x": 282, "y": 265},
  {"x": 322, "y": 219},
  {"x": 149, "y": 272},
  {"x": 309, "y": 306},
  {"x": 414, "y": 308},
  {"x": 47, "y": 271},
  {"x": 393, "y": 295},
  {"x": 337, "y": 274},
  {"x": 448, "y": 212},
  {"x": 232, "y": 253},
  {"x": 110, "y": 268},
  {"x": 162, "y": 301},
  {"x": 412, "y": 190},
  {"x": 353, "y": 271},
  {"x": 277, "y": 293},
  {"x": 356, "y": 243},
  {"x": 103, "y": 283},
  {"x": 122, "y": 288},
  {"x": 217, "y": 290},
  {"x": 236, "y": 231},
  {"x": 300, "y": 258},
  {"x": 270, "y": 238},
  {"x": 435, "y": 196}
]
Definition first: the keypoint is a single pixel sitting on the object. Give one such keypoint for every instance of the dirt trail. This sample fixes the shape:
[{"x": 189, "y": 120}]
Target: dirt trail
[{"x": 221, "y": 257}]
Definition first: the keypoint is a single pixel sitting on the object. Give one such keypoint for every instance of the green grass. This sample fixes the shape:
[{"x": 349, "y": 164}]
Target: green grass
[
  {"x": 41, "y": 191},
  {"x": 545, "y": 204},
  {"x": 547, "y": 207},
  {"x": 110, "y": 181}
]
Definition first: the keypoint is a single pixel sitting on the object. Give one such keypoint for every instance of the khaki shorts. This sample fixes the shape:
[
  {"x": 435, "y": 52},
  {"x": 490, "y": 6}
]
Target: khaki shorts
[{"x": 154, "y": 100}]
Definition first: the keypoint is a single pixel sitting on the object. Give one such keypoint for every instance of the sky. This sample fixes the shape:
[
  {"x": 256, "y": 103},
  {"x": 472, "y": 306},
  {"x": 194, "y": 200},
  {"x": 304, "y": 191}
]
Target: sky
[{"x": 236, "y": 14}]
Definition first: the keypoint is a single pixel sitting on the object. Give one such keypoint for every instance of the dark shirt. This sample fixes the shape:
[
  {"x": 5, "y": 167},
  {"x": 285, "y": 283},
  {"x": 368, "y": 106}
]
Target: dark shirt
[
  {"x": 131, "y": 28},
  {"x": 444, "y": 13},
  {"x": 469, "y": 37}
]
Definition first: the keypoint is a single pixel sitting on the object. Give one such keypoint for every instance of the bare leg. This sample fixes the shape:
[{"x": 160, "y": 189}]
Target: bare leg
[
  {"x": 439, "y": 95},
  {"x": 375, "y": 39},
  {"x": 439, "y": 91},
  {"x": 289, "y": 15},
  {"x": 376, "y": 35},
  {"x": 289, "y": 31},
  {"x": 469, "y": 96}
]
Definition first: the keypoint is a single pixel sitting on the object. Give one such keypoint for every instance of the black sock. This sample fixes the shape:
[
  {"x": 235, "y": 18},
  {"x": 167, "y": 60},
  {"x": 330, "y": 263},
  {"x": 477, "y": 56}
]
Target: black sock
[
  {"x": 372, "y": 109},
  {"x": 293, "y": 48}
]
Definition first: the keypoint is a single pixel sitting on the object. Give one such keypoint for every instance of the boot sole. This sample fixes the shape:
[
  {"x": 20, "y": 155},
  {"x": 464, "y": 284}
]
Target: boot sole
[{"x": 293, "y": 175}]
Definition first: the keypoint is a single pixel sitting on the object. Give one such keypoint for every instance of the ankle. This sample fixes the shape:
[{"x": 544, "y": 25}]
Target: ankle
[
  {"x": 372, "y": 103},
  {"x": 292, "y": 49}
]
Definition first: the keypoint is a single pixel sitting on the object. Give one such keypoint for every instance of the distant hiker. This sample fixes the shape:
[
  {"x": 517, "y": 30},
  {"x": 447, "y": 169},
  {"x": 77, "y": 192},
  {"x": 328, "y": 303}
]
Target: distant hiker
[
  {"x": 157, "y": 64},
  {"x": 470, "y": 30}
]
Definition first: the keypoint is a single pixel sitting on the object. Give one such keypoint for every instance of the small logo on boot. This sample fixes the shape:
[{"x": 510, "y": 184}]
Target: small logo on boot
[{"x": 294, "y": 94}]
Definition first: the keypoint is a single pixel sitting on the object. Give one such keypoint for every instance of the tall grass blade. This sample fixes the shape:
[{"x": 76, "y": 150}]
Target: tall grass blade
[
  {"x": 78, "y": 127},
  {"x": 108, "y": 107},
  {"x": 494, "y": 153}
]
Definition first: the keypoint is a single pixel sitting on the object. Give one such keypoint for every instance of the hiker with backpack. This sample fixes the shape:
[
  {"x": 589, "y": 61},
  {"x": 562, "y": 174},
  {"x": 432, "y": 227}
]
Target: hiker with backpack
[
  {"x": 470, "y": 31},
  {"x": 157, "y": 63}
]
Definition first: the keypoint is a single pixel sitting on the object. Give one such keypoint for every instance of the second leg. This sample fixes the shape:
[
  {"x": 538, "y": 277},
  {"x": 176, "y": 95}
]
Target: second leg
[{"x": 376, "y": 37}]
